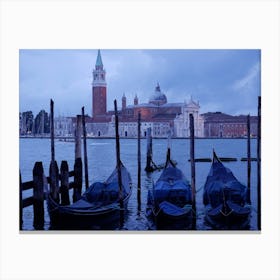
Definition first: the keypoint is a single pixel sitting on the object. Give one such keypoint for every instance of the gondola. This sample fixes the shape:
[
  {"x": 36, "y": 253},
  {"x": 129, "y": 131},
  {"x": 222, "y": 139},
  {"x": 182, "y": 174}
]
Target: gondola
[
  {"x": 225, "y": 199},
  {"x": 98, "y": 207},
  {"x": 169, "y": 201}
]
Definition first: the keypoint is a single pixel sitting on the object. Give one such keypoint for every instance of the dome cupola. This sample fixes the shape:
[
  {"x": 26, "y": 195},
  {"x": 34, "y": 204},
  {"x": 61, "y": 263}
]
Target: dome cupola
[{"x": 158, "y": 97}]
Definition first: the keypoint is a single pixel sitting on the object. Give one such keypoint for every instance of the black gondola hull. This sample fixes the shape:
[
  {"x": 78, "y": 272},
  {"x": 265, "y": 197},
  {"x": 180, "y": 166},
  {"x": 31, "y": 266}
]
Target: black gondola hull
[
  {"x": 232, "y": 219},
  {"x": 225, "y": 199},
  {"x": 109, "y": 218},
  {"x": 169, "y": 202},
  {"x": 98, "y": 208}
]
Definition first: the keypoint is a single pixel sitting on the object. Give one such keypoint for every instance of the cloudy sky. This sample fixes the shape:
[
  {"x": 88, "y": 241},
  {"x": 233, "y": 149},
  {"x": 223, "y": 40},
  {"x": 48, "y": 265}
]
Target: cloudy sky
[{"x": 221, "y": 80}]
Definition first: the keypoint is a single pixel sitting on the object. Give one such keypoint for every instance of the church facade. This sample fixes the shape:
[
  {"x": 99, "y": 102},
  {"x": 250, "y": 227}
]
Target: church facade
[{"x": 182, "y": 121}]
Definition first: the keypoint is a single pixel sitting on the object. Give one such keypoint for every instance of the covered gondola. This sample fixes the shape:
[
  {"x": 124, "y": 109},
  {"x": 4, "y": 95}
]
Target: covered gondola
[
  {"x": 225, "y": 198},
  {"x": 98, "y": 207},
  {"x": 169, "y": 201}
]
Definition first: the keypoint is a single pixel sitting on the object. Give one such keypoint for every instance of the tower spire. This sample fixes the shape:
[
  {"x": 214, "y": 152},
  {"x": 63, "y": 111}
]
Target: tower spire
[{"x": 99, "y": 64}]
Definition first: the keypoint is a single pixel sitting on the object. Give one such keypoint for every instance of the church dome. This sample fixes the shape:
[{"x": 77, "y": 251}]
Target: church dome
[{"x": 158, "y": 97}]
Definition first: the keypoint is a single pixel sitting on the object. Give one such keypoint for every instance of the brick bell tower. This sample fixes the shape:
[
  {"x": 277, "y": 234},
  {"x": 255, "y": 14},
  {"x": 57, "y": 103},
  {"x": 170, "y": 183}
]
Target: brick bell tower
[{"x": 99, "y": 88}]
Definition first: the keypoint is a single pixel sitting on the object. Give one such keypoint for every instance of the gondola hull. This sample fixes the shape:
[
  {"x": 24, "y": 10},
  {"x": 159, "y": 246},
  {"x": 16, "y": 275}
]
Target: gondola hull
[
  {"x": 171, "y": 217},
  {"x": 233, "y": 219},
  {"x": 105, "y": 218},
  {"x": 169, "y": 202},
  {"x": 225, "y": 199},
  {"x": 98, "y": 208}
]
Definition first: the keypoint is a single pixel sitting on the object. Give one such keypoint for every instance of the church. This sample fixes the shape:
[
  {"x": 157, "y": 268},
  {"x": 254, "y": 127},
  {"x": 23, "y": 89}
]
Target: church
[
  {"x": 162, "y": 117},
  {"x": 157, "y": 113}
]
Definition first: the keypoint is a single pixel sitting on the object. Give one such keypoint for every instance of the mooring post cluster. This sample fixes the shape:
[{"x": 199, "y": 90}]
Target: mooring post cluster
[{"x": 58, "y": 191}]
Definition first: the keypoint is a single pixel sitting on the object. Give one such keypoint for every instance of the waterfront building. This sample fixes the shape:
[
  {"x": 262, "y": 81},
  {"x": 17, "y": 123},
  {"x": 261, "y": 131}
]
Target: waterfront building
[
  {"x": 182, "y": 121},
  {"x": 41, "y": 123},
  {"x": 64, "y": 126},
  {"x": 223, "y": 125},
  {"x": 26, "y": 123}
]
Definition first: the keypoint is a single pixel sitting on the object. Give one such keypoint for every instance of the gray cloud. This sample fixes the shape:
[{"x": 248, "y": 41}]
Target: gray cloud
[{"x": 218, "y": 79}]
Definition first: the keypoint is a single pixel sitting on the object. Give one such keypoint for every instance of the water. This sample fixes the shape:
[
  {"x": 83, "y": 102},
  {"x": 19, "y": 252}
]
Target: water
[{"x": 101, "y": 162}]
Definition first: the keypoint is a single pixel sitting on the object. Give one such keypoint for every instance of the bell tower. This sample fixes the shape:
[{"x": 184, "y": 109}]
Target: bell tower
[
  {"x": 99, "y": 88},
  {"x": 123, "y": 102}
]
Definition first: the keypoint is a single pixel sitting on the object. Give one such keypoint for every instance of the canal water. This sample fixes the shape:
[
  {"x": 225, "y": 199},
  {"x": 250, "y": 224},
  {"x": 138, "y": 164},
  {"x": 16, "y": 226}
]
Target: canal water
[{"x": 102, "y": 161}]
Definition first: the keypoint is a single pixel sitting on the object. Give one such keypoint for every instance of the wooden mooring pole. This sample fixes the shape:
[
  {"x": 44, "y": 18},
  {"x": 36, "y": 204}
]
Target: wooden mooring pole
[
  {"x": 248, "y": 160},
  {"x": 192, "y": 171},
  {"x": 78, "y": 166},
  {"x": 20, "y": 203},
  {"x": 38, "y": 195},
  {"x": 52, "y": 131},
  {"x": 64, "y": 179},
  {"x": 85, "y": 147},
  {"x": 118, "y": 157},
  {"x": 53, "y": 170},
  {"x": 168, "y": 153},
  {"x": 54, "y": 180},
  {"x": 259, "y": 163},
  {"x": 148, "y": 167},
  {"x": 139, "y": 161}
]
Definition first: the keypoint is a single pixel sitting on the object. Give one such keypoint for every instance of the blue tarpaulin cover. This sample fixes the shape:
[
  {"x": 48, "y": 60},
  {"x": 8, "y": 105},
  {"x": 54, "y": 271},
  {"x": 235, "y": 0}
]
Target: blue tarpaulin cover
[
  {"x": 221, "y": 185},
  {"x": 172, "y": 186}
]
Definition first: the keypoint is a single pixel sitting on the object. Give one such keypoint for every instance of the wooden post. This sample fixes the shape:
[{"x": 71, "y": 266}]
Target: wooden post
[
  {"x": 85, "y": 147},
  {"x": 78, "y": 166},
  {"x": 168, "y": 156},
  {"x": 38, "y": 196},
  {"x": 248, "y": 160},
  {"x": 64, "y": 179},
  {"x": 139, "y": 162},
  {"x": 192, "y": 170},
  {"x": 148, "y": 167},
  {"x": 78, "y": 179},
  {"x": 53, "y": 170},
  {"x": 54, "y": 181},
  {"x": 52, "y": 131},
  {"x": 259, "y": 163},
  {"x": 118, "y": 155},
  {"x": 20, "y": 202},
  {"x": 78, "y": 136}
]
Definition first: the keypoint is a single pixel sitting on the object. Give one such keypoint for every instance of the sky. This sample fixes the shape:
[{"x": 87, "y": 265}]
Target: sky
[{"x": 220, "y": 80}]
